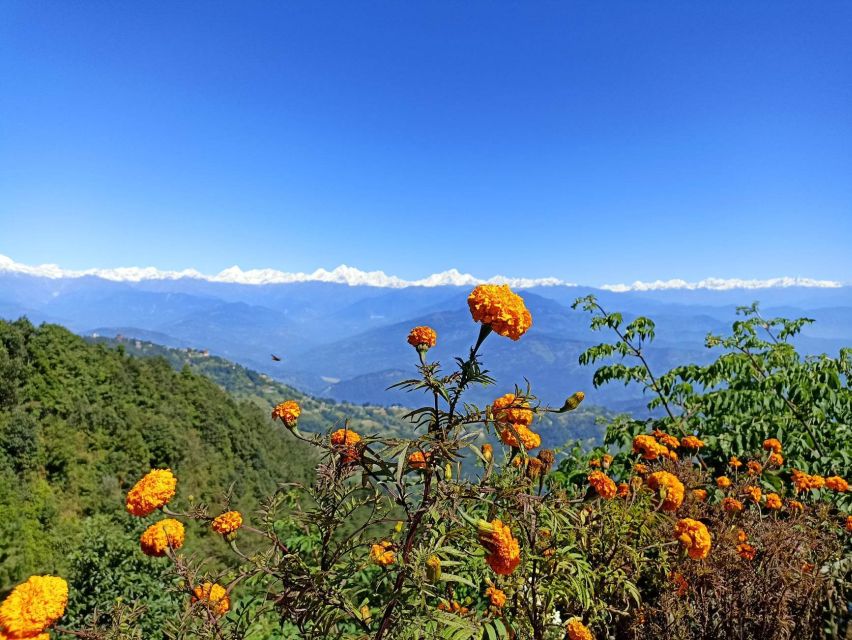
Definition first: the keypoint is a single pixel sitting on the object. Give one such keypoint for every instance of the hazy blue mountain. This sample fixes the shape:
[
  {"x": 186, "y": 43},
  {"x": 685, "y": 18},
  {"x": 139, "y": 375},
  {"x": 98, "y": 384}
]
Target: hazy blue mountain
[{"x": 348, "y": 342}]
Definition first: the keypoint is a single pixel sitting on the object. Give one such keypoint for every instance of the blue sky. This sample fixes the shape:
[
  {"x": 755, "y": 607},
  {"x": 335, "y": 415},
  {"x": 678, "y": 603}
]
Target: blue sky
[{"x": 592, "y": 141}]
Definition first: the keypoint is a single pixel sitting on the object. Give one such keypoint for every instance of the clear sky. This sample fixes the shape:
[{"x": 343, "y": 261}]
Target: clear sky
[{"x": 591, "y": 141}]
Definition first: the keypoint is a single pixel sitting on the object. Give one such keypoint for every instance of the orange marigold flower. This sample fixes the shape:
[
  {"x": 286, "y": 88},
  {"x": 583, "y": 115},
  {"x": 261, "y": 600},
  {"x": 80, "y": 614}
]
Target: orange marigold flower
[
  {"x": 741, "y": 536},
  {"x": 649, "y": 448},
  {"x": 723, "y": 482},
  {"x": 773, "y": 501},
  {"x": 640, "y": 468},
  {"x": 577, "y": 630},
  {"x": 287, "y": 412},
  {"x": 836, "y": 483},
  {"x": 419, "y": 460},
  {"x": 603, "y": 484},
  {"x": 381, "y": 553},
  {"x": 345, "y": 441},
  {"x": 699, "y": 494},
  {"x": 808, "y": 567},
  {"x": 498, "y": 306},
  {"x": 213, "y": 596},
  {"x": 670, "y": 488},
  {"x": 754, "y": 468},
  {"x": 672, "y": 455},
  {"x": 773, "y": 445},
  {"x": 606, "y": 460},
  {"x": 530, "y": 439},
  {"x": 667, "y": 439},
  {"x": 775, "y": 460},
  {"x": 496, "y": 596},
  {"x": 151, "y": 492},
  {"x": 422, "y": 337},
  {"x": 693, "y": 535},
  {"x": 681, "y": 584},
  {"x": 735, "y": 462},
  {"x": 849, "y": 523},
  {"x": 160, "y": 536},
  {"x": 453, "y": 607},
  {"x": 503, "y": 552},
  {"x": 746, "y": 551},
  {"x": 227, "y": 523},
  {"x": 595, "y": 463},
  {"x": 732, "y": 505},
  {"x": 32, "y": 607},
  {"x": 795, "y": 505},
  {"x": 509, "y": 408},
  {"x": 754, "y": 493},
  {"x": 691, "y": 442},
  {"x": 803, "y": 482},
  {"x": 623, "y": 490}
]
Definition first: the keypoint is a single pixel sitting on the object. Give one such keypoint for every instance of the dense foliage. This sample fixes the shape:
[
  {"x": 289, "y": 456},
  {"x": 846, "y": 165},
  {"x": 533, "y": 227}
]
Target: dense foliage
[{"x": 724, "y": 513}]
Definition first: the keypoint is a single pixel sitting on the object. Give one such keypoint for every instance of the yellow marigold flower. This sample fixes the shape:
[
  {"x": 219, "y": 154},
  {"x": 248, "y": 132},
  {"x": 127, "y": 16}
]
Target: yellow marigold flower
[
  {"x": 849, "y": 523},
  {"x": 487, "y": 452},
  {"x": 699, "y": 494},
  {"x": 691, "y": 442},
  {"x": 648, "y": 447},
  {"x": 530, "y": 439},
  {"x": 32, "y": 607},
  {"x": 419, "y": 460},
  {"x": 151, "y": 492},
  {"x": 732, "y": 505},
  {"x": 214, "y": 597},
  {"x": 670, "y": 488},
  {"x": 640, "y": 468},
  {"x": 433, "y": 568},
  {"x": 754, "y": 468},
  {"x": 381, "y": 553},
  {"x": 693, "y": 535},
  {"x": 345, "y": 442},
  {"x": 227, "y": 523},
  {"x": 735, "y": 462},
  {"x": 496, "y": 596},
  {"x": 754, "y": 493},
  {"x": 723, "y": 482},
  {"x": 775, "y": 460},
  {"x": 795, "y": 505},
  {"x": 287, "y": 412},
  {"x": 509, "y": 408},
  {"x": 773, "y": 445},
  {"x": 836, "y": 483},
  {"x": 746, "y": 551},
  {"x": 667, "y": 439},
  {"x": 503, "y": 552},
  {"x": 160, "y": 536},
  {"x": 577, "y": 630},
  {"x": 422, "y": 337},
  {"x": 498, "y": 306},
  {"x": 773, "y": 501},
  {"x": 603, "y": 484},
  {"x": 623, "y": 490}
]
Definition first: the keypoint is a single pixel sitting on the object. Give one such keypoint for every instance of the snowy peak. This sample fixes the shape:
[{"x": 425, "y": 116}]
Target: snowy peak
[{"x": 353, "y": 277}]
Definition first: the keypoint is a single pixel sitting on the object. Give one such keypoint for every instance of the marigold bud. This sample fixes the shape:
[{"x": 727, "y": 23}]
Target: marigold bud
[
  {"x": 433, "y": 568},
  {"x": 573, "y": 401},
  {"x": 488, "y": 452}
]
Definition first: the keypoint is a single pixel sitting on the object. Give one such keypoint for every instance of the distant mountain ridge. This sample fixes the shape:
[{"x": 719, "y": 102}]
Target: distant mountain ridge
[{"x": 347, "y": 342}]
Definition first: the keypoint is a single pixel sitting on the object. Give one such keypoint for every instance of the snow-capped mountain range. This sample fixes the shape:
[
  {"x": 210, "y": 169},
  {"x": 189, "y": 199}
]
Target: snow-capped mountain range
[{"x": 352, "y": 276}]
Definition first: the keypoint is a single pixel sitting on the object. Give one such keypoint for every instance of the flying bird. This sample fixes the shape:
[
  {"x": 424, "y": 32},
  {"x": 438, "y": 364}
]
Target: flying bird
[{"x": 275, "y": 358}]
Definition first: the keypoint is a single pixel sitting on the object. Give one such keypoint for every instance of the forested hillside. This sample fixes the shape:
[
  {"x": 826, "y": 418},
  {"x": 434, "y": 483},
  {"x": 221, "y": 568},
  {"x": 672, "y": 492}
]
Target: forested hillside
[{"x": 79, "y": 423}]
